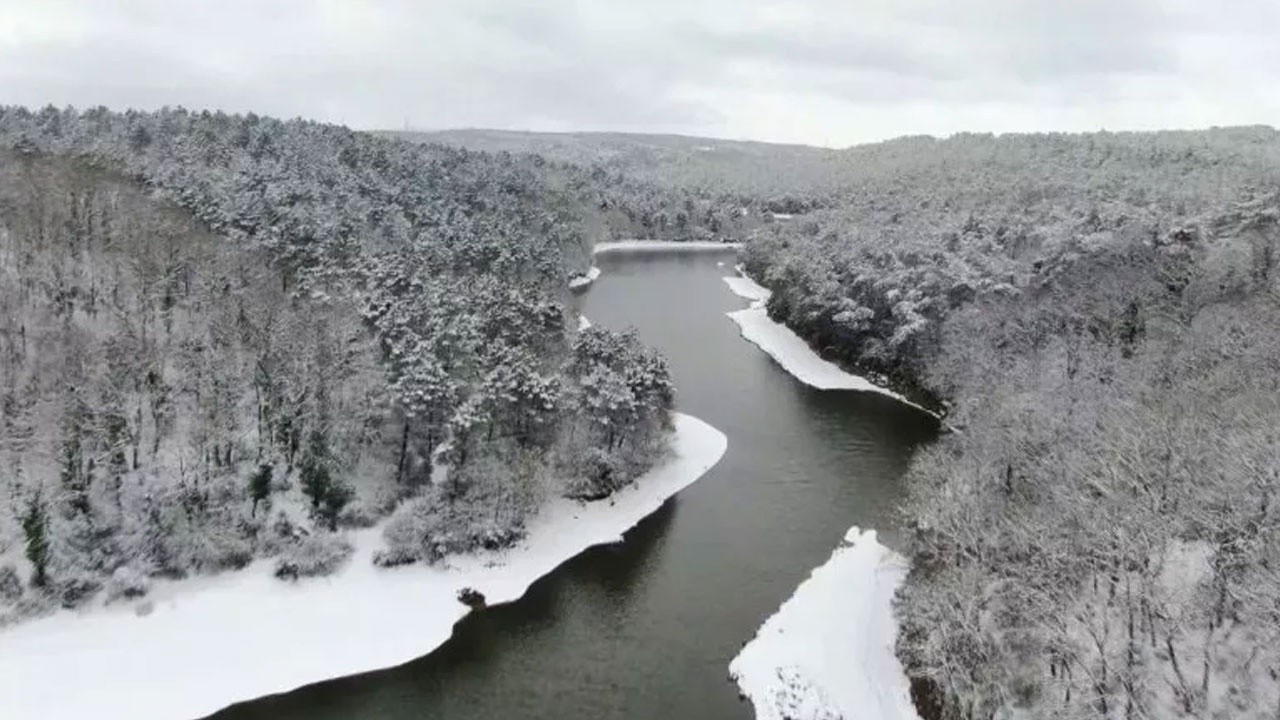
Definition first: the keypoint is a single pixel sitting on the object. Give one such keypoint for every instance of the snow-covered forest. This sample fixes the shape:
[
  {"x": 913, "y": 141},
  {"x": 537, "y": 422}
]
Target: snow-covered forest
[
  {"x": 753, "y": 169},
  {"x": 1099, "y": 316},
  {"x": 660, "y": 187},
  {"x": 228, "y": 337}
]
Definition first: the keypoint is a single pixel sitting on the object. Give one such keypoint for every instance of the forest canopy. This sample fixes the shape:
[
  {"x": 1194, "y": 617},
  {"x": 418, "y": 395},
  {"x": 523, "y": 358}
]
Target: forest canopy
[
  {"x": 1098, "y": 315},
  {"x": 226, "y": 337},
  {"x": 229, "y": 337}
]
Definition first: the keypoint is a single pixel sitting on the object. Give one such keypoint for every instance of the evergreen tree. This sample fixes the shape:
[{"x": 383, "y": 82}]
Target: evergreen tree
[
  {"x": 35, "y": 528},
  {"x": 314, "y": 469},
  {"x": 260, "y": 486},
  {"x": 328, "y": 494}
]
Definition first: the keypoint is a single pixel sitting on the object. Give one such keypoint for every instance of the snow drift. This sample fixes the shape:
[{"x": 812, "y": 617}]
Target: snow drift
[
  {"x": 221, "y": 640},
  {"x": 828, "y": 651}
]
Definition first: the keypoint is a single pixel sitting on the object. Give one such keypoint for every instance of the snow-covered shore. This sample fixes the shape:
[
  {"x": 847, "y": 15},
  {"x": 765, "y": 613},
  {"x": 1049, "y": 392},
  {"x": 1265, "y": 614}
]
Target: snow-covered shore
[
  {"x": 828, "y": 651},
  {"x": 244, "y": 635},
  {"x": 790, "y": 350},
  {"x": 662, "y": 246},
  {"x": 581, "y": 281}
]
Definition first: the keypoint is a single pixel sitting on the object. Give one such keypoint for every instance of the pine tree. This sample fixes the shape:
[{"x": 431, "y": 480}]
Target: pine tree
[
  {"x": 335, "y": 499},
  {"x": 35, "y": 527},
  {"x": 260, "y": 486},
  {"x": 427, "y": 397},
  {"x": 314, "y": 469},
  {"x": 328, "y": 494}
]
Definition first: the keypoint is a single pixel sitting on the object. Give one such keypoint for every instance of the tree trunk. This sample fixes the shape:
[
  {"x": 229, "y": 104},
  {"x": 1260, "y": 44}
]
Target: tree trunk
[
  {"x": 404, "y": 448},
  {"x": 1207, "y": 663},
  {"x": 1130, "y": 659},
  {"x": 1177, "y": 671},
  {"x": 137, "y": 432},
  {"x": 257, "y": 401}
]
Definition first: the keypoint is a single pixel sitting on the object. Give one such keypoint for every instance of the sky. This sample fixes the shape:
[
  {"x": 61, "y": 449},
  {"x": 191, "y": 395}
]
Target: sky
[{"x": 822, "y": 72}]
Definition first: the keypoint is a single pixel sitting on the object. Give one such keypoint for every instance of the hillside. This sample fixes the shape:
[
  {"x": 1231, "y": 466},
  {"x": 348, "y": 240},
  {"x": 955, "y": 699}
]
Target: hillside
[
  {"x": 605, "y": 147},
  {"x": 227, "y": 337},
  {"x": 230, "y": 337},
  {"x": 1098, "y": 314},
  {"x": 695, "y": 163}
]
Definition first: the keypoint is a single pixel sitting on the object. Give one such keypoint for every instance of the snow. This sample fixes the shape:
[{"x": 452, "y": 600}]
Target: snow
[
  {"x": 243, "y": 635},
  {"x": 1186, "y": 564},
  {"x": 745, "y": 287},
  {"x": 828, "y": 651},
  {"x": 582, "y": 281},
  {"x": 583, "y": 322},
  {"x": 662, "y": 245},
  {"x": 795, "y": 355},
  {"x": 790, "y": 350}
]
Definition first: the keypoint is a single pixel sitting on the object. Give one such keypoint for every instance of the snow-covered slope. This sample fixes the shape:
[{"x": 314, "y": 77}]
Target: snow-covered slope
[
  {"x": 243, "y": 635},
  {"x": 828, "y": 651},
  {"x": 790, "y": 350}
]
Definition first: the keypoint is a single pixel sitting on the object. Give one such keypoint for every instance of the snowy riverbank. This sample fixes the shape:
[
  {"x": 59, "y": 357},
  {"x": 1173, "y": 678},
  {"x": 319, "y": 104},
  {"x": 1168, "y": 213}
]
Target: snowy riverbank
[
  {"x": 828, "y": 651},
  {"x": 217, "y": 641},
  {"x": 582, "y": 281},
  {"x": 662, "y": 246},
  {"x": 790, "y": 350}
]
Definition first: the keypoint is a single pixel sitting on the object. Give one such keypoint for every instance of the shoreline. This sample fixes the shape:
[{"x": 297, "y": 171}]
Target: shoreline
[
  {"x": 791, "y": 351},
  {"x": 580, "y": 282},
  {"x": 828, "y": 651},
  {"x": 802, "y": 661},
  {"x": 662, "y": 246},
  {"x": 247, "y": 635}
]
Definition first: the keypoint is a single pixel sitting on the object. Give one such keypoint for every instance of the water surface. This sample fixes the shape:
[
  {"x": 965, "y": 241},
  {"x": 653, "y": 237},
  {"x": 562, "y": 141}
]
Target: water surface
[{"x": 647, "y": 628}]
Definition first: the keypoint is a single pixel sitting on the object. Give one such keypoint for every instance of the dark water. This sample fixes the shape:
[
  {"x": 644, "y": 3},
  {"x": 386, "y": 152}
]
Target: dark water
[{"x": 646, "y": 629}]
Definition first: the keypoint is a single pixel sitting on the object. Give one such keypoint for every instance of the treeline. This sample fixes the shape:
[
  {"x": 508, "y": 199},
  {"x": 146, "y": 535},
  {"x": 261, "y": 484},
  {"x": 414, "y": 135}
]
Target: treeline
[
  {"x": 1099, "y": 315},
  {"x": 765, "y": 172},
  {"x": 931, "y": 225},
  {"x": 629, "y": 209},
  {"x": 227, "y": 337},
  {"x": 625, "y": 194}
]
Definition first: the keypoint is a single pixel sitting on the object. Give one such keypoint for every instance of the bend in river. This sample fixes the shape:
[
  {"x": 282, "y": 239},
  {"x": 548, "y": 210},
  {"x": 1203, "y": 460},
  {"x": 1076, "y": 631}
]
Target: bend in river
[{"x": 647, "y": 628}]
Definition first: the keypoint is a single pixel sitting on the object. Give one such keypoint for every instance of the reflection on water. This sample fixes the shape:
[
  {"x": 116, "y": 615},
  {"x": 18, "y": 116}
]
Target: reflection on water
[{"x": 646, "y": 628}]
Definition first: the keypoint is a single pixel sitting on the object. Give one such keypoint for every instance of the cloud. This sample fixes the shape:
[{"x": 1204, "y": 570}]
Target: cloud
[{"x": 821, "y": 71}]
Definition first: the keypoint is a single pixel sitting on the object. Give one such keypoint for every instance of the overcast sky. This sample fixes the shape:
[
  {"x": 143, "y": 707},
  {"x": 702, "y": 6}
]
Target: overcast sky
[{"x": 829, "y": 72}]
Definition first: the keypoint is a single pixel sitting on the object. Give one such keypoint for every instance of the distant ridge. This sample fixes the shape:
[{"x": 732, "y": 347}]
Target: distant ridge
[{"x": 775, "y": 170}]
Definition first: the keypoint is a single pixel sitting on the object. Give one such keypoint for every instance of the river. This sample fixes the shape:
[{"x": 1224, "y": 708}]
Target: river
[{"x": 647, "y": 628}]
